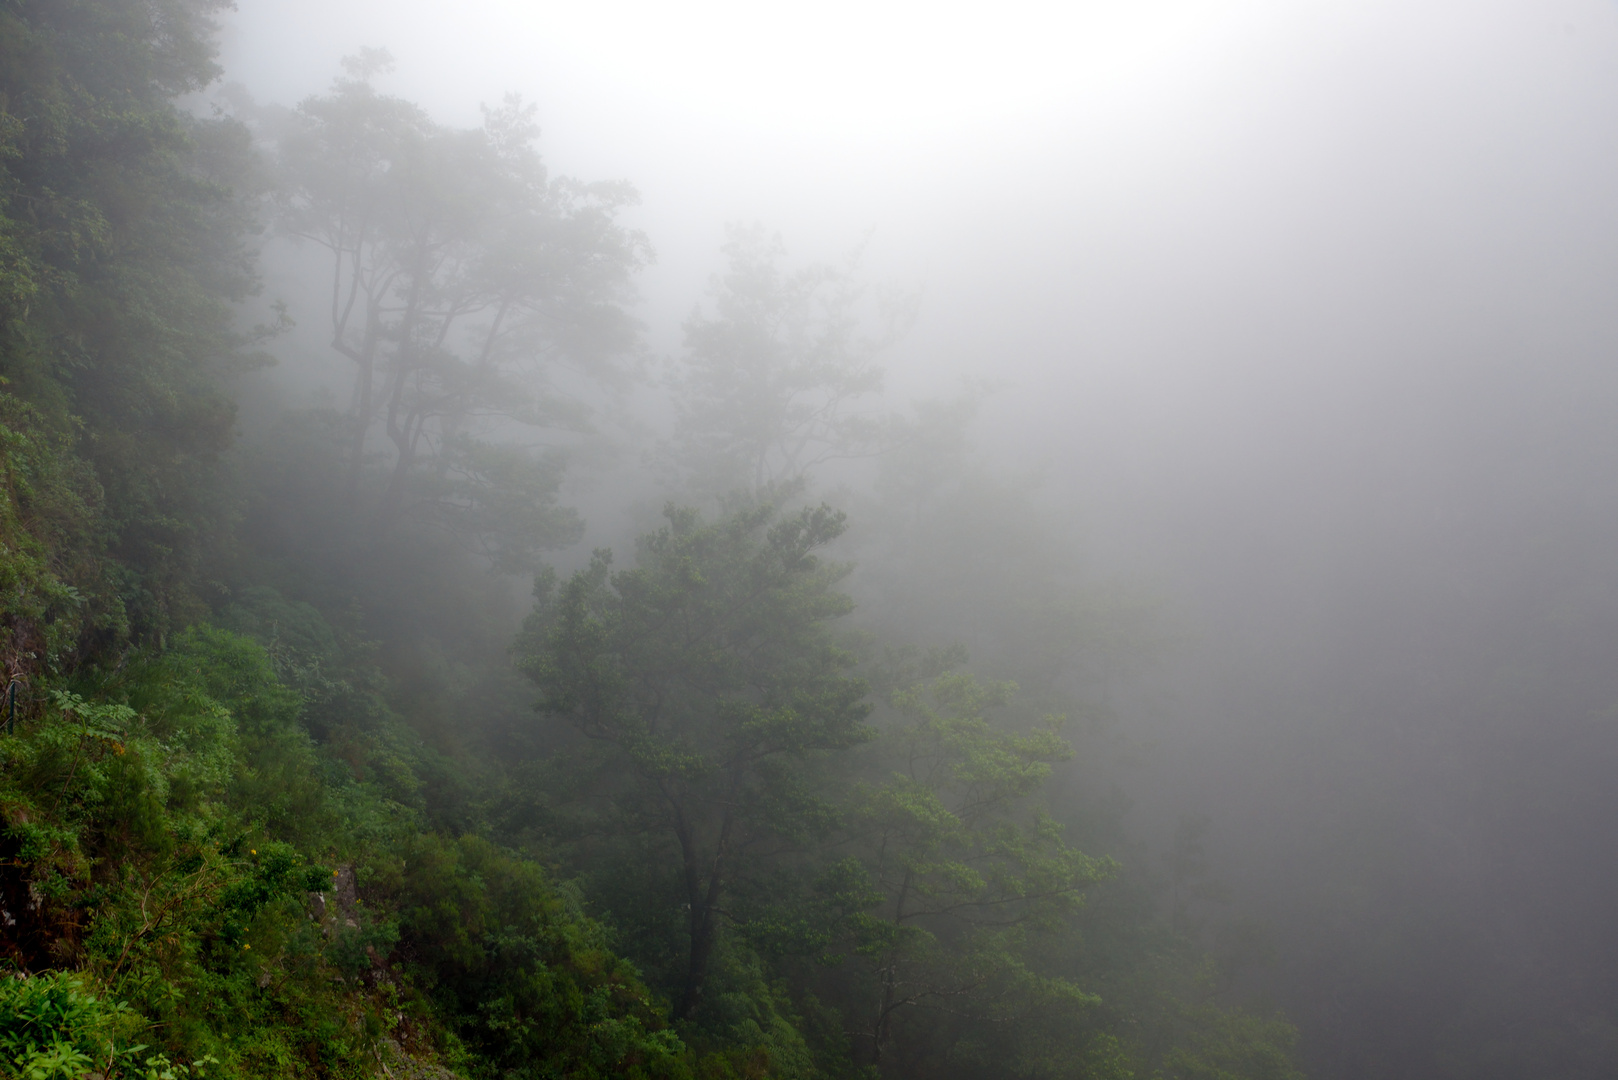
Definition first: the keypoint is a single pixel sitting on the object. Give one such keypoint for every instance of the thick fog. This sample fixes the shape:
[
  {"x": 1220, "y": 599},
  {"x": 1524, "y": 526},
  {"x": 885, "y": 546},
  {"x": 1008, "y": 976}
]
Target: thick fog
[{"x": 1302, "y": 315}]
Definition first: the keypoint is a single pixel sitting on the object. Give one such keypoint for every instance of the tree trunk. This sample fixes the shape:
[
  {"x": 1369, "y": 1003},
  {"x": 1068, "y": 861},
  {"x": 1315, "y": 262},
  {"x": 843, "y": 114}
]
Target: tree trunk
[
  {"x": 704, "y": 934},
  {"x": 890, "y": 971},
  {"x": 704, "y": 899},
  {"x": 363, "y": 415}
]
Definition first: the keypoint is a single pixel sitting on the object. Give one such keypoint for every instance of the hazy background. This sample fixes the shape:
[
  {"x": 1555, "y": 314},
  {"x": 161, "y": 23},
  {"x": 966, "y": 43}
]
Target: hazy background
[{"x": 1306, "y": 311}]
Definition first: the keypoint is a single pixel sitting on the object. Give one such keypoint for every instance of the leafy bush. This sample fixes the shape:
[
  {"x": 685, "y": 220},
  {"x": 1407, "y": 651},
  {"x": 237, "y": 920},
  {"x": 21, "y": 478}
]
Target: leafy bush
[
  {"x": 532, "y": 985},
  {"x": 52, "y": 1026}
]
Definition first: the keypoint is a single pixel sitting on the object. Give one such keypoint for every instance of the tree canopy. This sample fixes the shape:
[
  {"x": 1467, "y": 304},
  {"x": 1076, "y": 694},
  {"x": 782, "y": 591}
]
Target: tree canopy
[
  {"x": 462, "y": 277},
  {"x": 710, "y": 669}
]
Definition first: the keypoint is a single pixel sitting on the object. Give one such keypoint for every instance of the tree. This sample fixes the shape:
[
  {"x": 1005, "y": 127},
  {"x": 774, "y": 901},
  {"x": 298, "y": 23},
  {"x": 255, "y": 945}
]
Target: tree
[
  {"x": 710, "y": 671},
  {"x": 123, "y": 222},
  {"x": 463, "y": 276},
  {"x": 774, "y": 375},
  {"x": 958, "y": 877}
]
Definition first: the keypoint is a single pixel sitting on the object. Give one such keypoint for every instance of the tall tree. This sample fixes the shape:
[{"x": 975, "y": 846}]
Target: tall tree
[
  {"x": 123, "y": 227},
  {"x": 962, "y": 872},
  {"x": 710, "y": 671},
  {"x": 776, "y": 374},
  {"x": 462, "y": 278}
]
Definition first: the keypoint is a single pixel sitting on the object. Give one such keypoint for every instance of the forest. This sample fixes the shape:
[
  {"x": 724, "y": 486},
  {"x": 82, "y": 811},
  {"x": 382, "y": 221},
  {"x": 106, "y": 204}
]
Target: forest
[
  {"x": 443, "y": 642},
  {"x": 293, "y": 784}
]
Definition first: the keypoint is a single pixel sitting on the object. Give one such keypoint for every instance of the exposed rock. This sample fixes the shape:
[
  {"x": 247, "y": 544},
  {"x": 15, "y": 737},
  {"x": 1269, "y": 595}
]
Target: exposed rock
[{"x": 399, "y": 1065}]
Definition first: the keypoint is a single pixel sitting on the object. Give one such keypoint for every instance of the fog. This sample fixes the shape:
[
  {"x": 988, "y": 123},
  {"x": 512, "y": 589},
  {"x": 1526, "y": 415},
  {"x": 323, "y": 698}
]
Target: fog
[{"x": 1302, "y": 317}]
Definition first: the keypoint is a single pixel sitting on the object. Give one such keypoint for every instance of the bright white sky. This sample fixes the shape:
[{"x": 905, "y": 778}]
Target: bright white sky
[
  {"x": 823, "y": 119},
  {"x": 1060, "y": 177},
  {"x": 836, "y": 70}
]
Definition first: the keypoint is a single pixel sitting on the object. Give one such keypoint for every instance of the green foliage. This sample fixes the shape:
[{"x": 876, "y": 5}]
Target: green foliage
[
  {"x": 532, "y": 986},
  {"x": 959, "y": 880},
  {"x": 164, "y": 828},
  {"x": 52, "y": 1026},
  {"x": 1226, "y": 1044},
  {"x": 122, "y": 223},
  {"x": 710, "y": 671},
  {"x": 53, "y": 579}
]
